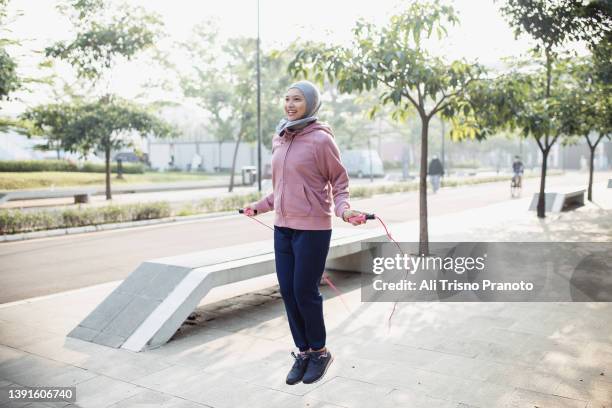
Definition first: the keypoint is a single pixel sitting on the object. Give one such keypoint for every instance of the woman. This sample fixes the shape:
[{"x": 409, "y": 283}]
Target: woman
[{"x": 306, "y": 173}]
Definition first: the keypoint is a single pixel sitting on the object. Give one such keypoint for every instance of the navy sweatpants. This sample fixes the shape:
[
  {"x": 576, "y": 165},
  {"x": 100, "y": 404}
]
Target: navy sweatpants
[{"x": 300, "y": 260}]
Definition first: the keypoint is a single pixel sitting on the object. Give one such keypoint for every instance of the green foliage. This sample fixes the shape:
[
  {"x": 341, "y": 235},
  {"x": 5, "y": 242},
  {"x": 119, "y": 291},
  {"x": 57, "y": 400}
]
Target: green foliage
[
  {"x": 36, "y": 165},
  {"x": 553, "y": 23},
  {"x": 22, "y": 166},
  {"x": 9, "y": 81},
  {"x": 102, "y": 124},
  {"x": 228, "y": 89},
  {"x": 103, "y": 35},
  {"x": 393, "y": 58},
  {"x": 126, "y": 168},
  {"x": 16, "y": 221},
  {"x": 226, "y": 203}
]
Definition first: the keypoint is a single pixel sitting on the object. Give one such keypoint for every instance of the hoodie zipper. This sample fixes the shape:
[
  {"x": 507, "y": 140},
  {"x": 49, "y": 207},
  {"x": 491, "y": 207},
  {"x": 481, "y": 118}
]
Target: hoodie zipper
[{"x": 283, "y": 182}]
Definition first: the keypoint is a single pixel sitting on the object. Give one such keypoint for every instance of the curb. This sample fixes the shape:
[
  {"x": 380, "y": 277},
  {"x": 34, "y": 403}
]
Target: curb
[{"x": 108, "y": 227}]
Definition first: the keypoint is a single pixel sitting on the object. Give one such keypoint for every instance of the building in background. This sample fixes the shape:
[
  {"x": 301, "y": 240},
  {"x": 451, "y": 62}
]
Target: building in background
[{"x": 178, "y": 154}]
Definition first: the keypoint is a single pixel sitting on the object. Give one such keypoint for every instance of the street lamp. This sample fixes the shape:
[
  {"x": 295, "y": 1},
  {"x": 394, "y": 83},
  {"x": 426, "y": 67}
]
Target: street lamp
[{"x": 258, "y": 109}]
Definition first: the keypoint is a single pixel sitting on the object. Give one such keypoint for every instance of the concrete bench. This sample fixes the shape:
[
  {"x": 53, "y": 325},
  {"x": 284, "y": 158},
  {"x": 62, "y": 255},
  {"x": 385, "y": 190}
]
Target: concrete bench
[
  {"x": 557, "y": 202},
  {"x": 148, "y": 307},
  {"x": 81, "y": 195}
]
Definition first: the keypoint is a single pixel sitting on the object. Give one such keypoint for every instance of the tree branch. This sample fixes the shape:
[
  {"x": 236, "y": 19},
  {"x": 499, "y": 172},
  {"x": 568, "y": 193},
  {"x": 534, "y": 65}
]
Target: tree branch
[
  {"x": 539, "y": 143},
  {"x": 588, "y": 140},
  {"x": 553, "y": 141},
  {"x": 599, "y": 139}
]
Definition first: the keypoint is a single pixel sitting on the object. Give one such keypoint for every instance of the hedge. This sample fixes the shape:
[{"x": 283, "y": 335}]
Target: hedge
[
  {"x": 20, "y": 166},
  {"x": 16, "y": 221}
]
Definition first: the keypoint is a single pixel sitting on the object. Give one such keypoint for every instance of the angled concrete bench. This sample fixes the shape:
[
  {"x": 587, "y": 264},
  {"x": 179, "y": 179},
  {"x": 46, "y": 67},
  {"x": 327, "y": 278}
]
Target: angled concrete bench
[
  {"x": 81, "y": 195},
  {"x": 148, "y": 307},
  {"x": 557, "y": 202}
]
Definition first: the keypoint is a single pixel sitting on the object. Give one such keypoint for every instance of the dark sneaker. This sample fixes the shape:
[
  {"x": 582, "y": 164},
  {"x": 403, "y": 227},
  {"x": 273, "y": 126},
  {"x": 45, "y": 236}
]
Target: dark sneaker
[
  {"x": 317, "y": 366},
  {"x": 299, "y": 368}
]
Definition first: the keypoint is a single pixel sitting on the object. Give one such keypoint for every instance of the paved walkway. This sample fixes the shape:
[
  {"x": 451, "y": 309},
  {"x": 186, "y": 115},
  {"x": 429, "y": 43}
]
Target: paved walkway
[{"x": 235, "y": 352}]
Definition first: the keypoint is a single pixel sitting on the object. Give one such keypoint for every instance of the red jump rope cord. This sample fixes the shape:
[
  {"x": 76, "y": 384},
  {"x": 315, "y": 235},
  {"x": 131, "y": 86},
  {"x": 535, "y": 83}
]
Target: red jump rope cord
[
  {"x": 262, "y": 223},
  {"x": 400, "y": 249}
]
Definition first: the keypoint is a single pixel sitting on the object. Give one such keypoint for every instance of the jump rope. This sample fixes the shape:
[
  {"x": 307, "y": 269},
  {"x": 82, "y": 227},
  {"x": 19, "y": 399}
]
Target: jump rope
[{"x": 363, "y": 217}]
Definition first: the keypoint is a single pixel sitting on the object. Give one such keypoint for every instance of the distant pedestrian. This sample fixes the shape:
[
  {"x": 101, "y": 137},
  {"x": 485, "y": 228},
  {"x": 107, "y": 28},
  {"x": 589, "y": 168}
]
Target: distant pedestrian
[
  {"x": 517, "y": 171},
  {"x": 306, "y": 174},
  {"x": 435, "y": 171}
]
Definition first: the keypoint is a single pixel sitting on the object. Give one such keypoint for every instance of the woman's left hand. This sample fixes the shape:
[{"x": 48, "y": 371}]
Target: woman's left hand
[{"x": 348, "y": 215}]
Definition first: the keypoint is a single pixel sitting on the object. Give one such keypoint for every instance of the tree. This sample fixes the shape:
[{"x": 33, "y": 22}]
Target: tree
[
  {"x": 104, "y": 36},
  {"x": 9, "y": 80},
  {"x": 588, "y": 106},
  {"x": 222, "y": 81},
  {"x": 99, "y": 125},
  {"x": 395, "y": 58},
  {"x": 552, "y": 24}
]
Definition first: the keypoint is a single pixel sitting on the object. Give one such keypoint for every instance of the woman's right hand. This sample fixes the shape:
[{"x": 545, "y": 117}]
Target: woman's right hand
[{"x": 348, "y": 216}]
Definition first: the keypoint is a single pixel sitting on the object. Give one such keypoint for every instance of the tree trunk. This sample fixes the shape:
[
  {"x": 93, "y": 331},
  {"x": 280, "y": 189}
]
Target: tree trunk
[
  {"x": 591, "y": 161},
  {"x": 108, "y": 173},
  {"x": 542, "y": 197},
  {"x": 592, "y": 148},
  {"x": 546, "y": 148},
  {"x": 423, "y": 230},
  {"x": 231, "y": 185}
]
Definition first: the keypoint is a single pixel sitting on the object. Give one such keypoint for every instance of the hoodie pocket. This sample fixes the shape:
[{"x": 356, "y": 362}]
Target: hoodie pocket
[
  {"x": 320, "y": 202},
  {"x": 295, "y": 201}
]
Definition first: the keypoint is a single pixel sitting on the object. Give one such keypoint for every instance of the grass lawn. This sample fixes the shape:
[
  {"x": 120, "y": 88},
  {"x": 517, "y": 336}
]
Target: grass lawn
[{"x": 43, "y": 179}]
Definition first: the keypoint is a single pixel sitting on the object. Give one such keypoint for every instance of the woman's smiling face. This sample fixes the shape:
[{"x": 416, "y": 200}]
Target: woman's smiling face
[{"x": 295, "y": 104}]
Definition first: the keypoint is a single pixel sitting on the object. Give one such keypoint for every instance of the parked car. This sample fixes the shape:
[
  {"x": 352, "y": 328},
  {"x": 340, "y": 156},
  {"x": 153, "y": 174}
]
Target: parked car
[
  {"x": 127, "y": 157},
  {"x": 357, "y": 163}
]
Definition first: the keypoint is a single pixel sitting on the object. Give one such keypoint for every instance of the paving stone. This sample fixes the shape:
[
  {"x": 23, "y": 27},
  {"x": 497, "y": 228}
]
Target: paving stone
[
  {"x": 121, "y": 364},
  {"x": 31, "y": 370},
  {"x": 140, "y": 278},
  {"x": 162, "y": 283},
  {"x": 83, "y": 333},
  {"x": 599, "y": 404},
  {"x": 350, "y": 393},
  {"x": 102, "y": 391},
  {"x": 585, "y": 390},
  {"x": 109, "y": 340},
  {"x": 530, "y": 399},
  {"x": 399, "y": 398},
  {"x": 20, "y": 334},
  {"x": 131, "y": 317},
  {"x": 106, "y": 311},
  {"x": 217, "y": 390},
  {"x": 153, "y": 399}
]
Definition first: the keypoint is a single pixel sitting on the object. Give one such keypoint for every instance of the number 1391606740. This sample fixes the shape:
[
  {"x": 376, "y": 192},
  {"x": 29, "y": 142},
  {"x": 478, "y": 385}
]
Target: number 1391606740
[{"x": 41, "y": 394}]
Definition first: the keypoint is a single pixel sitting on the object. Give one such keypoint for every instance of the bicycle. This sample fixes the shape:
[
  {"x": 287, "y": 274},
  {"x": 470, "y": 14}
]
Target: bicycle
[{"x": 516, "y": 185}]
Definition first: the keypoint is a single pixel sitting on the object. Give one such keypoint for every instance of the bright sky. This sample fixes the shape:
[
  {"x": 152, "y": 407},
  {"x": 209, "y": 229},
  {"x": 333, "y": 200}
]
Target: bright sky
[{"x": 483, "y": 34}]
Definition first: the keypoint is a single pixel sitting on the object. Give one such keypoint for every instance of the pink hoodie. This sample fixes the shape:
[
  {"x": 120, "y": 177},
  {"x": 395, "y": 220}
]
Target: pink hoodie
[{"x": 306, "y": 172}]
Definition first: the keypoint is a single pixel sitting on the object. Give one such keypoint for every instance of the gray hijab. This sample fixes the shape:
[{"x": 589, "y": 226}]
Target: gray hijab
[{"x": 313, "y": 103}]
